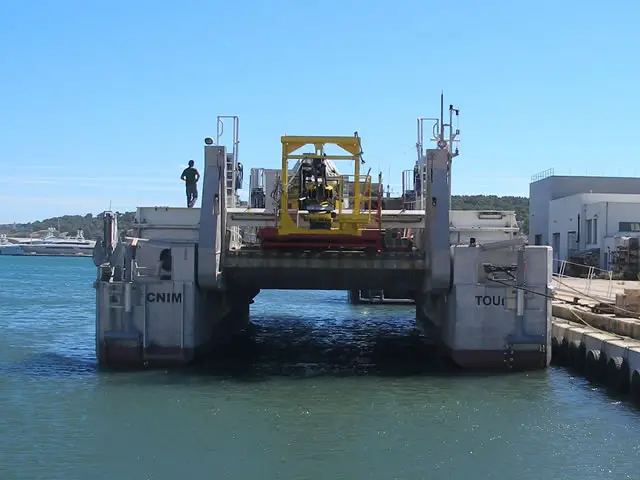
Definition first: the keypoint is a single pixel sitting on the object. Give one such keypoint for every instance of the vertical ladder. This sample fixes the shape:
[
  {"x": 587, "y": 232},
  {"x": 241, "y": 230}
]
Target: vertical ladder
[
  {"x": 231, "y": 163},
  {"x": 230, "y": 180},
  {"x": 230, "y": 176}
]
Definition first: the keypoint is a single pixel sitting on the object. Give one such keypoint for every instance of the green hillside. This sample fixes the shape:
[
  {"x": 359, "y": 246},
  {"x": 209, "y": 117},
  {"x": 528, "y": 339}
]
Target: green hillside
[
  {"x": 492, "y": 202},
  {"x": 92, "y": 224}
]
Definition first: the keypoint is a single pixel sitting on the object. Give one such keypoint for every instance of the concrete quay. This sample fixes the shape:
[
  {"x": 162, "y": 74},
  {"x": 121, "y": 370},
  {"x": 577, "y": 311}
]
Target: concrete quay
[
  {"x": 602, "y": 347},
  {"x": 588, "y": 295},
  {"x": 590, "y": 291}
]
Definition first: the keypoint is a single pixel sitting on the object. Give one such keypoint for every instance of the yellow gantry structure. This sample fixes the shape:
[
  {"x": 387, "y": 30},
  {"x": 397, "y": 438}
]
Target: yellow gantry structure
[{"x": 345, "y": 221}]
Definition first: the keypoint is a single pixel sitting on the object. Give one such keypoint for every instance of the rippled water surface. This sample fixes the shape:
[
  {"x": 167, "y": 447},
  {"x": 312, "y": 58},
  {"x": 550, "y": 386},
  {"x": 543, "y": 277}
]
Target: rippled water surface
[{"x": 322, "y": 390}]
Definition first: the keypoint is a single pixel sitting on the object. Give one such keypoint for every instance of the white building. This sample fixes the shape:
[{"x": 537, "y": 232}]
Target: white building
[
  {"x": 579, "y": 214},
  {"x": 590, "y": 221}
]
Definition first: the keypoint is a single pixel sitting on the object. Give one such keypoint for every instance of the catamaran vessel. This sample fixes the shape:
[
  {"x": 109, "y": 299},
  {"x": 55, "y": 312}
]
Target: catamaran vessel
[{"x": 182, "y": 283}]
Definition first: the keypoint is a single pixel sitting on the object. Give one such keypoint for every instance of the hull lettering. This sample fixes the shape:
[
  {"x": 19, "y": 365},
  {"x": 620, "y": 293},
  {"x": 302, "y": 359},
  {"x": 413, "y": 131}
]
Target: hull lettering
[
  {"x": 164, "y": 297},
  {"x": 490, "y": 301}
]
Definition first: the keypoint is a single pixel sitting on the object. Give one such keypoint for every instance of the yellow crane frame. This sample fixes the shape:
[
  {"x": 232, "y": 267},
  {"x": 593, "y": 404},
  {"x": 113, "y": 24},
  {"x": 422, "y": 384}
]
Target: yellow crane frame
[{"x": 348, "y": 222}]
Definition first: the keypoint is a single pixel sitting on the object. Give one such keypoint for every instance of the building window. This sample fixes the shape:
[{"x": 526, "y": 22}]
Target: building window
[
  {"x": 628, "y": 227},
  {"x": 537, "y": 240},
  {"x": 589, "y": 232},
  {"x": 556, "y": 245},
  {"x": 595, "y": 231},
  {"x": 572, "y": 244}
]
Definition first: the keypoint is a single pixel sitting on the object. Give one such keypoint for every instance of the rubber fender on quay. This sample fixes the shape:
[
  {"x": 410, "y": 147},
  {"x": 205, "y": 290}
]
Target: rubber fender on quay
[
  {"x": 617, "y": 377},
  {"x": 563, "y": 352},
  {"x": 574, "y": 354},
  {"x": 581, "y": 359},
  {"x": 592, "y": 366},
  {"x": 635, "y": 387},
  {"x": 555, "y": 351},
  {"x": 602, "y": 364}
]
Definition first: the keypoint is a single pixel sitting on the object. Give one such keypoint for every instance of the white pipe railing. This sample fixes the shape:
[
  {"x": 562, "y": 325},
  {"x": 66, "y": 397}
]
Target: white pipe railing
[{"x": 591, "y": 274}]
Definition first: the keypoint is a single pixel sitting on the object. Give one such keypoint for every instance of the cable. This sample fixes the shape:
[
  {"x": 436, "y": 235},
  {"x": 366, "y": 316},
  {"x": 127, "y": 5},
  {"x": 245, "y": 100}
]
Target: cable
[
  {"x": 551, "y": 297},
  {"x": 508, "y": 271}
]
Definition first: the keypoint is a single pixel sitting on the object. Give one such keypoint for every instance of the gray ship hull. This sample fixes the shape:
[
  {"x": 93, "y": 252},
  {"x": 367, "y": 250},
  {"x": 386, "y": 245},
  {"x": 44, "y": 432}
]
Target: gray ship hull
[{"x": 51, "y": 249}]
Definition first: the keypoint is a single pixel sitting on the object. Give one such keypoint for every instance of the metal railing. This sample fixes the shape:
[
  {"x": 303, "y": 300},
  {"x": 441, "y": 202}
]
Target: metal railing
[
  {"x": 412, "y": 197},
  {"x": 235, "y": 238},
  {"x": 145, "y": 271},
  {"x": 549, "y": 172},
  {"x": 346, "y": 197},
  {"x": 588, "y": 274}
]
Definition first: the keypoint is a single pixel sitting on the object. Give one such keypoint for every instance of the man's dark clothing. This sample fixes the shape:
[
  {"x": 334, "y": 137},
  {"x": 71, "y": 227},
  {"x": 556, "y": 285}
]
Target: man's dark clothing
[{"x": 190, "y": 174}]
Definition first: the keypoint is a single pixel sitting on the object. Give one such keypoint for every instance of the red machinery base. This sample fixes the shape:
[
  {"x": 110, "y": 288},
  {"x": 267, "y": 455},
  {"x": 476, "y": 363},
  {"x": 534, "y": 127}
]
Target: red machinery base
[{"x": 369, "y": 239}]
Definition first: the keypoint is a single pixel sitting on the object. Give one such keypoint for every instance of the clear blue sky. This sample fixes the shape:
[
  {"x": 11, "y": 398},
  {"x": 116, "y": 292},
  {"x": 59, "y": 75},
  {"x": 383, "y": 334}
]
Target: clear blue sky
[{"x": 106, "y": 101}]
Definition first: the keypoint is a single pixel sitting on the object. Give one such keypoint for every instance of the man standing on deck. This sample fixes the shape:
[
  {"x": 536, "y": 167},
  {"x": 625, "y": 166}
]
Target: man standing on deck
[{"x": 190, "y": 176}]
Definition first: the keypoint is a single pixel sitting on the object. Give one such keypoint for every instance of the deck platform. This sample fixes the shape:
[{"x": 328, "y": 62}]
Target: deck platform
[{"x": 325, "y": 270}]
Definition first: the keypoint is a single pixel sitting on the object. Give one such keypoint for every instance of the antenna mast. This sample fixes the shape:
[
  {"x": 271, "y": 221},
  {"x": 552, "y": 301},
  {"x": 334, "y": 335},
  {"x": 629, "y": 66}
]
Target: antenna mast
[
  {"x": 442, "y": 143},
  {"x": 441, "y": 115},
  {"x": 453, "y": 134}
]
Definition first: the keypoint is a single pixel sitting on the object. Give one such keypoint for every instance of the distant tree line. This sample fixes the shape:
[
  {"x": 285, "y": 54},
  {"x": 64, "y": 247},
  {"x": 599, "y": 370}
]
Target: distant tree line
[
  {"x": 92, "y": 224},
  {"x": 492, "y": 202}
]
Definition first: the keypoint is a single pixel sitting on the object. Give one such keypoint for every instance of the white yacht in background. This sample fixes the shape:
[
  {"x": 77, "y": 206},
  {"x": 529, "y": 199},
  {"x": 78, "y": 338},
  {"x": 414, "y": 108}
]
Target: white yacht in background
[
  {"x": 8, "y": 248},
  {"x": 52, "y": 245}
]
